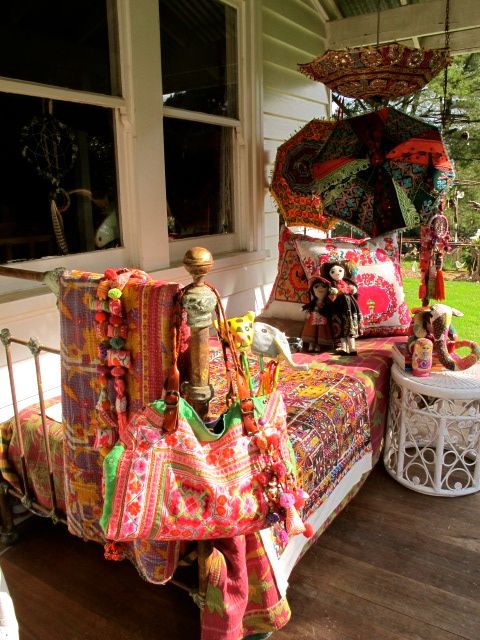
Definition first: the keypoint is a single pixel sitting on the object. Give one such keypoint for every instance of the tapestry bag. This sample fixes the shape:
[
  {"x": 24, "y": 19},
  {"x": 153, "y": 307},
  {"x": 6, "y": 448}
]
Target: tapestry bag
[{"x": 170, "y": 476}]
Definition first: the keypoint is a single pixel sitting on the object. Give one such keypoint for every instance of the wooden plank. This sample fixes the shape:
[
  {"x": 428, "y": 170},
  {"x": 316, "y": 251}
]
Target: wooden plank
[
  {"x": 417, "y": 556},
  {"x": 324, "y": 612},
  {"x": 292, "y": 82},
  {"x": 63, "y": 588},
  {"x": 311, "y": 40},
  {"x": 279, "y": 128},
  {"x": 297, "y": 13},
  {"x": 408, "y": 21},
  {"x": 460, "y": 41},
  {"x": 415, "y": 599},
  {"x": 279, "y": 104},
  {"x": 283, "y": 53}
]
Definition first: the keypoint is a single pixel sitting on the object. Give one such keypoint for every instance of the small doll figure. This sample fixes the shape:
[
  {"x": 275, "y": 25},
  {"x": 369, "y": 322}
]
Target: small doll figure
[
  {"x": 341, "y": 307},
  {"x": 316, "y": 330}
]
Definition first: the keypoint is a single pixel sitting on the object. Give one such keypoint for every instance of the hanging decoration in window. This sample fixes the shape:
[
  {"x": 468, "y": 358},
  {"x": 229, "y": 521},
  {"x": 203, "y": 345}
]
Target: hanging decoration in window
[{"x": 51, "y": 148}]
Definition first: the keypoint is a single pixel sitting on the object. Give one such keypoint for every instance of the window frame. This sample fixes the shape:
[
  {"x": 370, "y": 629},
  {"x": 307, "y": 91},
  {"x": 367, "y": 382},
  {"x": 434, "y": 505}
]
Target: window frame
[{"x": 138, "y": 130}]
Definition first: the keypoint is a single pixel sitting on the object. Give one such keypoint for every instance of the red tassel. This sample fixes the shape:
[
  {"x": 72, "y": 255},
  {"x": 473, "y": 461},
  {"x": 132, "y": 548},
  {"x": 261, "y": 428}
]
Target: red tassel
[
  {"x": 439, "y": 286},
  {"x": 422, "y": 291},
  {"x": 114, "y": 551}
]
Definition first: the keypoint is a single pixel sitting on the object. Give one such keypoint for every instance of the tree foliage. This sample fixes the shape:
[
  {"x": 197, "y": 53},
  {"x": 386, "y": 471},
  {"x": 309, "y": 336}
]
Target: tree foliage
[{"x": 456, "y": 112}]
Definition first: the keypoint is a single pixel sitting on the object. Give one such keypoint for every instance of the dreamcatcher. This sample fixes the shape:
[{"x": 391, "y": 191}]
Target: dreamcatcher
[
  {"x": 50, "y": 146},
  {"x": 434, "y": 239}
]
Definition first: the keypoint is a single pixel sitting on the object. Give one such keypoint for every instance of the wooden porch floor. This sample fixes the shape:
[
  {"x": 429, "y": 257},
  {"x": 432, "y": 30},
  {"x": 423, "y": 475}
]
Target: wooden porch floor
[{"x": 395, "y": 565}]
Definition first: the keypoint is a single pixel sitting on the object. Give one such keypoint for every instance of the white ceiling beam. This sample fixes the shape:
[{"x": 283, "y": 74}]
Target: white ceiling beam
[
  {"x": 421, "y": 20},
  {"x": 460, "y": 41}
]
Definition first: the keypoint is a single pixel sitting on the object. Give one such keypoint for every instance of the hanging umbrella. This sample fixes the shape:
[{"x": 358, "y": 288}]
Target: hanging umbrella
[
  {"x": 380, "y": 72},
  {"x": 381, "y": 171},
  {"x": 301, "y": 206}
]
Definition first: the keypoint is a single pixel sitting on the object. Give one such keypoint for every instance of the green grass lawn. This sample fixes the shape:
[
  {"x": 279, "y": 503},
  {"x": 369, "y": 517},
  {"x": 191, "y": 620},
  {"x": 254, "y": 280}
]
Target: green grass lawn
[{"x": 461, "y": 294}]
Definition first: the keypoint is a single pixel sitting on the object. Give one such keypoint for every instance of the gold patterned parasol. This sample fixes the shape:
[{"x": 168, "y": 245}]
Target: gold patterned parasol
[{"x": 378, "y": 72}]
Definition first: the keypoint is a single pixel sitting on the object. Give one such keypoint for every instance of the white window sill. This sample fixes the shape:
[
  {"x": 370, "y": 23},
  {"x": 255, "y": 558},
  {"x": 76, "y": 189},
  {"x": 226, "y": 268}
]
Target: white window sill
[
  {"x": 32, "y": 302},
  {"x": 221, "y": 262}
]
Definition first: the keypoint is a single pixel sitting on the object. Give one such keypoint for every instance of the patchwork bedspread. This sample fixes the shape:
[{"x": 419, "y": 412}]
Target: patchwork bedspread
[{"x": 336, "y": 412}]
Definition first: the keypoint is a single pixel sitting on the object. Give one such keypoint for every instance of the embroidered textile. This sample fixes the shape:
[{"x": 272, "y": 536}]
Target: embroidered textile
[
  {"x": 376, "y": 266},
  {"x": 148, "y": 310},
  {"x": 385, "y": 71}
]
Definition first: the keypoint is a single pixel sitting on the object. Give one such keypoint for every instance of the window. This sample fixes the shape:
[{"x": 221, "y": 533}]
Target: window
[
  {"x": 202, "y": 120},
  {"x": 126, "y": 132},
  {"x": 58, "y": 191}
]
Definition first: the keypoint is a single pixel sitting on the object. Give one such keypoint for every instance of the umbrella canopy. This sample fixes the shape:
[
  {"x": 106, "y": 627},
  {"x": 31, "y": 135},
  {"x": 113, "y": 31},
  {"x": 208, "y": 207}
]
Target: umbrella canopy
[
  {"x": 381, "y": 171},
  {"x": 380, "y": 72},
  {"x": 292, "y": 183}
]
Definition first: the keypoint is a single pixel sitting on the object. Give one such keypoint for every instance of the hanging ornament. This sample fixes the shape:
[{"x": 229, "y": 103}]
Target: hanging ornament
[
  {"x": 50, "y": 146},
  {"x": 377, "y": 73}
]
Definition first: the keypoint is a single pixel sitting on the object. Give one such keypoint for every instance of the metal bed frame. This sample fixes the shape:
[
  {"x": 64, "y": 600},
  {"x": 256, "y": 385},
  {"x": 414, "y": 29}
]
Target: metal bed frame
[{"x": 198, "y": 262}]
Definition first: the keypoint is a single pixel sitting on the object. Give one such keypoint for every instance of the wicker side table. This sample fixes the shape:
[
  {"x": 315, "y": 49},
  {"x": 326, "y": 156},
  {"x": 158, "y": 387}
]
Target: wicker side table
[{"x": 432, "y": 443}]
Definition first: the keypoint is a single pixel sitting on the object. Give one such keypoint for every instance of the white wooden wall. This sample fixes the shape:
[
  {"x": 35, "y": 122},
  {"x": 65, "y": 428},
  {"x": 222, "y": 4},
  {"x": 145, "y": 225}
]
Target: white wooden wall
[{"x": 292, "y": 33}]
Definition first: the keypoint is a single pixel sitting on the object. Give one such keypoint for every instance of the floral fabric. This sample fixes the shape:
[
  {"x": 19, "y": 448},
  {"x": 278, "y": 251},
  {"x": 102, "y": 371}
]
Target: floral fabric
[{"x": 376, "y": 268}]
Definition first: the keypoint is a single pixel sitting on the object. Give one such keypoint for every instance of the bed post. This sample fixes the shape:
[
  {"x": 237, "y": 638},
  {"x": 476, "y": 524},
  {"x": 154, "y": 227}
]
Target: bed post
[{"x": 199, "y": 303}]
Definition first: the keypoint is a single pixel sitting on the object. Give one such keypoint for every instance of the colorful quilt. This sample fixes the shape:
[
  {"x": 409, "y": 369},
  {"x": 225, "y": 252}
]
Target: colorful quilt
[
  {"x": 35, "y": 455},
  {"x": 337, "y": 413},
  {"x": 148, "y": 310}
]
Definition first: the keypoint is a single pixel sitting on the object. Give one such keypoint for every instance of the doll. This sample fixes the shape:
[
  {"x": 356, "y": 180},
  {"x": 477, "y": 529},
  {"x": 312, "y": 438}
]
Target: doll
[
  {"x": 341, "y": 307},
  {"x": 316, "y": 330}
]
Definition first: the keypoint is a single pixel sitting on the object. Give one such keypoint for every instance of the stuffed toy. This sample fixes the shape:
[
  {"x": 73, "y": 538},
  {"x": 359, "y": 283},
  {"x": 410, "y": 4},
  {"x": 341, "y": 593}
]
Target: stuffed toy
[
  {"x": 262, "y": 339},
  {"x": 435, "y": 323}
]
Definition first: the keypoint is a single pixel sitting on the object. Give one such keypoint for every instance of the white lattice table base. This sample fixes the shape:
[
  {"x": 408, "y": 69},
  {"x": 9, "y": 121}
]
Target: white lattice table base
[{"x": 432, "y": 442}]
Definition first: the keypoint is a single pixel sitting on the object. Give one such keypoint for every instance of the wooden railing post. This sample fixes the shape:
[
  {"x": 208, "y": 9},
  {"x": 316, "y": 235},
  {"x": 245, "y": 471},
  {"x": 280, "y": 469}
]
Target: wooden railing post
[{"x": 199, "y": 302}]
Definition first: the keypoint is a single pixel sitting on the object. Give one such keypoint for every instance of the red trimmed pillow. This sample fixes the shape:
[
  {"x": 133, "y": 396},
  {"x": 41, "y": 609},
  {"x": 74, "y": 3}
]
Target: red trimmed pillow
[
  {"x": 290, "y": 289},
  {"x": 376, "y": 265}
]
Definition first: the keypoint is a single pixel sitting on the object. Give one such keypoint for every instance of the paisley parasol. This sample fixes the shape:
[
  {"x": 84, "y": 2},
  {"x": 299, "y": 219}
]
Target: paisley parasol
[
  {"x": 377, "y": 72},
  {"x": 292, "y": 183},
  {"x": 381, "y": 171}
]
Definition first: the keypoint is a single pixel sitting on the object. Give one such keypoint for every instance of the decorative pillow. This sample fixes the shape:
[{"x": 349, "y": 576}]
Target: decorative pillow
[
  {"x": 290, "y": 289},
  {"x": 376, "y": 265}
]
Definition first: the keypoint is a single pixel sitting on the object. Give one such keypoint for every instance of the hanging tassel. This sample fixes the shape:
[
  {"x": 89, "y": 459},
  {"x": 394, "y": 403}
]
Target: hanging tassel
[
  {"x": 293, "y": 522},
  {"x": 422, "y": 290},
  {"x": 439, "y": 286},
  {"x": 114, "y": 551}
]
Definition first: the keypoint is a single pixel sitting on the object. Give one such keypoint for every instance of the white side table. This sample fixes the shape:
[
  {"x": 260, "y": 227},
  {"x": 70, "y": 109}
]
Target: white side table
[{"x": 432, "y": 443}]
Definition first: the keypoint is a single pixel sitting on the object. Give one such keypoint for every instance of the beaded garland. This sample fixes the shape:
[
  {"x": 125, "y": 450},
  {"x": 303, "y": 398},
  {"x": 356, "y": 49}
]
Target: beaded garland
[
  {"x": 114, "y": 361},
  {"x": 279, "y": 485}
]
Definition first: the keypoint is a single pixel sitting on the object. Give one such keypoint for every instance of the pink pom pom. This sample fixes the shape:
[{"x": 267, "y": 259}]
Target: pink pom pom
[
  {"x": 283, "y": 537},
  {"x": 287, "y": 500},
  {"x": 300, "y": 498},
  {"x": 308, "y": 533}
]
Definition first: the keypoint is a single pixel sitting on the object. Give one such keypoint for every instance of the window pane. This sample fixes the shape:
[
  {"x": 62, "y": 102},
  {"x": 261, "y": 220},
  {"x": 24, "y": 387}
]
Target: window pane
[
  {"x": 63, "y": 43},
  {"x": 62, "y": 150},
  {"x": 199, "y": 56},
  {"x": 199, "y": 173}
]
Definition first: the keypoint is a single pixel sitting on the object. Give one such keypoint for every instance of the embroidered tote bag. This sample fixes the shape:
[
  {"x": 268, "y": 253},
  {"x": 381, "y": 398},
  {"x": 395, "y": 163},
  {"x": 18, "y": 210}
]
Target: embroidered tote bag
[{"x": 170, "y": 477}]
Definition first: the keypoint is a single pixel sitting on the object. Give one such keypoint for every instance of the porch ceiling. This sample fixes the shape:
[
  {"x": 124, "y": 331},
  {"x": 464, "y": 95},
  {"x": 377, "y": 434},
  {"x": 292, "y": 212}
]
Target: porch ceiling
[{"x": 419, "y": 23}]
